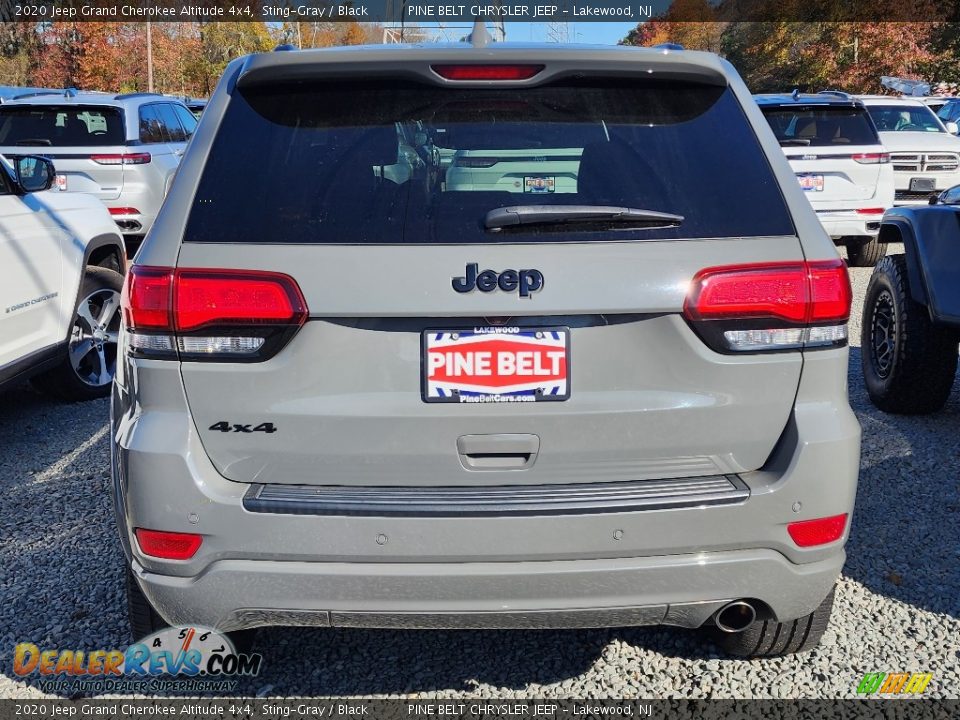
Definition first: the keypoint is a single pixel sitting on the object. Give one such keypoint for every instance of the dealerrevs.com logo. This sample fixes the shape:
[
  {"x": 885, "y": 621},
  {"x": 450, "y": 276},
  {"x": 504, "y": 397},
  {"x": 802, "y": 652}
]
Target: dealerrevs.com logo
[{"x": 190, "y": 658}]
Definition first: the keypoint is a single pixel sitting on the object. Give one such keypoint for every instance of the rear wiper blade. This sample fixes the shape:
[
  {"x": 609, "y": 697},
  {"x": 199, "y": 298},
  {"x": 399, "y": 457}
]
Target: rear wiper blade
[
  {"x": 795, "y": 141},
  {"x": 34, "y": 141},
  {"x": 514, "y": 215}
]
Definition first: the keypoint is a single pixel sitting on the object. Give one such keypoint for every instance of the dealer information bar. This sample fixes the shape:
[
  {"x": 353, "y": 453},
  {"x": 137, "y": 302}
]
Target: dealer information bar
[
  {"x": 476, "y": 709},
  {"x": 413, "y": 11}
]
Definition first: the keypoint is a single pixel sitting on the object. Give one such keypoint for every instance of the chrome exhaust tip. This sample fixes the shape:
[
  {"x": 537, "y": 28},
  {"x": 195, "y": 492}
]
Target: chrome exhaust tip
[{"x": 735, "y": 617}]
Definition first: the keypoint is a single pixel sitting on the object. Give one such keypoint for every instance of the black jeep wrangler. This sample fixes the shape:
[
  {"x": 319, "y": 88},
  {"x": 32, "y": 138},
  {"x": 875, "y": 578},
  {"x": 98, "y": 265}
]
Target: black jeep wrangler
[{"x": 911, "y": 313}]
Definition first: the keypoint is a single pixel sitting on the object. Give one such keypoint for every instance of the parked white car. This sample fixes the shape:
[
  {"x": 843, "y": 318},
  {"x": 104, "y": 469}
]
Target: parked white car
[
  {"x": 840, "y": 163},
  {"x": 61, "y": 271},
  {"x": 924, "y": 155},
  {"x": 123, "y": 149}
]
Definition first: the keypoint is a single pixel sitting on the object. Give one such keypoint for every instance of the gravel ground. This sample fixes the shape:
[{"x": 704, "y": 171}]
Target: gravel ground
[{"x": 898, "y": 604}]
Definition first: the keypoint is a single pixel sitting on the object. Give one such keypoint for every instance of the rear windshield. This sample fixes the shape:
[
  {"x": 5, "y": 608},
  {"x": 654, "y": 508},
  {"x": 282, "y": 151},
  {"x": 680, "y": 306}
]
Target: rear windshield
[
  {"x": 58, "y": 126},
  {"x": 898, "y": 118},
  {"x": 821, "y": 126},
  {"x": 412, "y": 163}
]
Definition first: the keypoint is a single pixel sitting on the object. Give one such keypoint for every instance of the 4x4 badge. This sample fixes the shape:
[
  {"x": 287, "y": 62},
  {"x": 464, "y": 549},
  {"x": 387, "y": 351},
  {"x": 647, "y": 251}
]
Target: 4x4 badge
[{"x": 526, "y": 281}]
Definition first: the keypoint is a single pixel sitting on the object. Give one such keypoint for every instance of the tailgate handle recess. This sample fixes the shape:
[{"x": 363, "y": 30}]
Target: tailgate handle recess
[{"x": 498, "y": 452}]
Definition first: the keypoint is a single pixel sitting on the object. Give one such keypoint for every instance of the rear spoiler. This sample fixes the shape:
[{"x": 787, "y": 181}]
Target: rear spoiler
[{"x": 415, "y": 63}]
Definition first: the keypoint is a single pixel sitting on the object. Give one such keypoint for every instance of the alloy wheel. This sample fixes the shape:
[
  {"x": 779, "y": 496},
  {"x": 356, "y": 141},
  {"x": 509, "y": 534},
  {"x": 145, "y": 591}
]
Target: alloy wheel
[{"x": 93, "y": 339}]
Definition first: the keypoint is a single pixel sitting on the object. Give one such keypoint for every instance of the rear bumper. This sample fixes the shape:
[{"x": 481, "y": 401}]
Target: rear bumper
[
  {"x": 669, "y": 565},
  {"x": 682, "y": 590},
  {"x": 139, "y": 198},
  {"x": 846, "y": 223}
]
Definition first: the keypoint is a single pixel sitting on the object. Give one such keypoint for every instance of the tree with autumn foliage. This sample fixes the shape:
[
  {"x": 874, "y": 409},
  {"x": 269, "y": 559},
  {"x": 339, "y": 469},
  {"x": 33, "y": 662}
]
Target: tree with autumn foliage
[
  {"x": 850, "y": 56},
  {"x": 19, "y": 46},
  {"x": 188, "y": 57},
  {"x": 329, "y": 34},
  {"x": 689, "y": 22}
]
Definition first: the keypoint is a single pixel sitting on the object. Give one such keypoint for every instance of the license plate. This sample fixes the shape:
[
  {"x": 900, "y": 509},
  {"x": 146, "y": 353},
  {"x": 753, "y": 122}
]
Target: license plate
[
  {"x": 539, "y": 184},
  {"x": 496, "y": 365},
  {"x": 811, "y": 183},
  {"x": 60, "y": 182},
  {"x": 923, "y": 184}
]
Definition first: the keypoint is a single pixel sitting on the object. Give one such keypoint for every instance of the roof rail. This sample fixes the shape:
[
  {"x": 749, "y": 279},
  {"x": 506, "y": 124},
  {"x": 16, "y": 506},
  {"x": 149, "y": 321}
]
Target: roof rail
[
  {"x": 128, "y": 96},
  {"x": 836, "y": 93},
  {"x": 668, "y": 46},
  {"x": 285, "y": 47},
  {"x": 35, "y": 93}
]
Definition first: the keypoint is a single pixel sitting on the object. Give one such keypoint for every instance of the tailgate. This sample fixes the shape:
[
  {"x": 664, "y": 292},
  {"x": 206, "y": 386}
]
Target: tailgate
[
  {"x": 647, "y": 399},
  {"x": 79, "y": 170},
  {"x": 831, "y": 177},
  {"x": 392, "y": 265}
]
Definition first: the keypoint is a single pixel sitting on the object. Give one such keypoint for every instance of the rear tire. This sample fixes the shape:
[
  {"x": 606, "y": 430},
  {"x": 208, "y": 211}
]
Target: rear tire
[
  {"x": 89, "y": 362},
  {"x": 769, "y": 638},
  {"x": 143, "y": 619},
  {"x": 864, "y": 251},
  {"x": 909, "y": 362}
]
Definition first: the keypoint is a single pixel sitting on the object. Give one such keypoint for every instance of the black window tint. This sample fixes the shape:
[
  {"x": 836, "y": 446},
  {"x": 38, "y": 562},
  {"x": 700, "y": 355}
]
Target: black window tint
[
  {"x": 187, "y": 119},
  {"x": 821, "y": 126},
  {"x": 327, "y": 163},
  {"x": 170, "y": 122},
  {"x": 61, "y": 126},
  {"x": 151, "y": 131}
]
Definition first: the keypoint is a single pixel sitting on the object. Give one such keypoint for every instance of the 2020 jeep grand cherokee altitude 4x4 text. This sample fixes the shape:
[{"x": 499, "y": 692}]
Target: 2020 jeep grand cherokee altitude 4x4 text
[{"x": 370, "y": 398}]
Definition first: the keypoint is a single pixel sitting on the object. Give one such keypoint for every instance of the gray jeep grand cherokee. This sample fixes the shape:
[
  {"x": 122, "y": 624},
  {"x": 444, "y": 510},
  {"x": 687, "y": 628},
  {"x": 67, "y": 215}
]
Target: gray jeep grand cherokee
[{"x": 604, "y": 388}]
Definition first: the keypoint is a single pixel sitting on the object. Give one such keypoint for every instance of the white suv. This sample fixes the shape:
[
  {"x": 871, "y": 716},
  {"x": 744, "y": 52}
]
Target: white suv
[
  {"x": 925, "y": 157},
  {"x": 61, "y": 265},
  {"x": 124, "y": 149},
  {"x": 843, "y": 168}
]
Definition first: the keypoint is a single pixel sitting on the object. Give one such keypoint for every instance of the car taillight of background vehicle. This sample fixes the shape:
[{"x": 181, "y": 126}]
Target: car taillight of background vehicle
[
  {"x": 201, "y": 314},
  {"x": 122, "y": 159},
  {"x": 871, "y": 158},
  {"x": 771, "y": 306}
]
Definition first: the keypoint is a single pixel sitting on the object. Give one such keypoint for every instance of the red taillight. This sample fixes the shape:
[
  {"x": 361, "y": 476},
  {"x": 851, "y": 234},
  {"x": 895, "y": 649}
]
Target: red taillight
[
  {"x": 870, "y": 211},
  {"x": 771, "y": 306},
  {"x": 123, "y": 211},
  {"x": 168, "y": 545},
  {"x": 871, "y": 158},
  {"x": 830, "y": 292},
  {"x": 487, "y": 72},
  {"x": 800, "y": 292},
  {"x": 751, "y": 291},
  {"x": 121, "y": 158},
  {"x": 241, "y": 315},
  {"x": 808, "y": 533},
  {"x": 147, "y": 295},
  {"x": 203, "y": 297}
]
